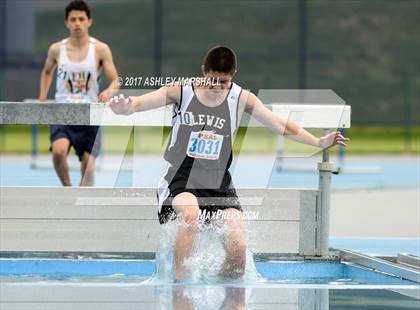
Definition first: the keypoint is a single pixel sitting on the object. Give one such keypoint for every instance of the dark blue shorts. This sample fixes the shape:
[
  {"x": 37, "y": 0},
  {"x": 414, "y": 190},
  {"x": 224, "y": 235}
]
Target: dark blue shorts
[{"x": 82, "y": 138}]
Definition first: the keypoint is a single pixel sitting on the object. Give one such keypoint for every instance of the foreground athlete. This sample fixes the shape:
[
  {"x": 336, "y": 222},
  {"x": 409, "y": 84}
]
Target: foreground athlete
[{"x": 199, "y": 153}]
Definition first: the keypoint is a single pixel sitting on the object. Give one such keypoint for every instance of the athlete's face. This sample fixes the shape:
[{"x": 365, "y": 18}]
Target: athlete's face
[
  {"x": 78, "y": 23},
  {"x": 221, "y": 82}
]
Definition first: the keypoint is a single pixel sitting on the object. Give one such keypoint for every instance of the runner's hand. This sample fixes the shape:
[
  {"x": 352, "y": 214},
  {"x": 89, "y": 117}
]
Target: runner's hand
[
  {"x": 120, "y": 104},
  {"x": 331, "y": 139},
  {"x": 103, "y": 96}
]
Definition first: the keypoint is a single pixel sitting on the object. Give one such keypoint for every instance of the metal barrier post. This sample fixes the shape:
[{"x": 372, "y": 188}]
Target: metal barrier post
[
  {"x": 325, "y": 169},
  {"x": 34, "y": 151}
]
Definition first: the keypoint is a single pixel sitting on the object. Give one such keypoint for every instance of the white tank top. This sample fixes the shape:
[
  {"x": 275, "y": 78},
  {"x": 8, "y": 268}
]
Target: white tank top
[{"x": 77, "y": 81}]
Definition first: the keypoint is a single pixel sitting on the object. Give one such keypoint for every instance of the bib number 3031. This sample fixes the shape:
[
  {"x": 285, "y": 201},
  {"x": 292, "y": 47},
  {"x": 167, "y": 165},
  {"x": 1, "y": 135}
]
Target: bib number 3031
[{"x": 205, "y": 144}]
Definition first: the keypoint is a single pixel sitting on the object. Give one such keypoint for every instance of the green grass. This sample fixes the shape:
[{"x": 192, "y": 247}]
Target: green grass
[
  {"x": 364, "y": 140},
  {"x": 383, "y": 140}
]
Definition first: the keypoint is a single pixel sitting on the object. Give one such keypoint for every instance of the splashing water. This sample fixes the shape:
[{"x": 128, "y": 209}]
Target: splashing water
[
  {"x": 200, "y": 297},
  {"x": 205, "y": 263}
]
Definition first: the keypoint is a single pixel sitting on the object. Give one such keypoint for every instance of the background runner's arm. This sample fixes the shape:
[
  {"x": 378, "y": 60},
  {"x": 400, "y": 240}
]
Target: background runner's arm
[
  {"x": 48, "y": 72},
  {"x": 110, "y": 72},
  {"x": 286, "y": 127}
]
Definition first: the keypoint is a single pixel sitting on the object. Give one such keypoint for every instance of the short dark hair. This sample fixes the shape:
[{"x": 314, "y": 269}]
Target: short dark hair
[
  {"x": 220, "y": 59},
  {"x": 77, "y": 5}
]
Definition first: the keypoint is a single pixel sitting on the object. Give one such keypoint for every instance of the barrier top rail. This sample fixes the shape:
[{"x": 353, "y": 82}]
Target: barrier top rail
[{"x": 29, "y": 113}]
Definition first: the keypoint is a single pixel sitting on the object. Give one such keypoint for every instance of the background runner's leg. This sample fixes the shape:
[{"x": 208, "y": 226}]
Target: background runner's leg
[
  {"x": 87, "y": 170},
  {"x": 59, "y": 150}
]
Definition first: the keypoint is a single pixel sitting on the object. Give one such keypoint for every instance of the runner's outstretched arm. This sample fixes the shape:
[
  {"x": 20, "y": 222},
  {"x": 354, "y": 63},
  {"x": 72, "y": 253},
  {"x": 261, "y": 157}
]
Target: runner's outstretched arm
[
  {"x": 286, "y": 127},
  {"x": 165, "y": 95}
]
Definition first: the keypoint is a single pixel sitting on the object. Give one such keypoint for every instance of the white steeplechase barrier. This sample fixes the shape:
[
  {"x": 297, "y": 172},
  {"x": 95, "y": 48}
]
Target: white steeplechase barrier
[
  {"x": 98, "y": 114},
  {"x": 123, "y": 220}
]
